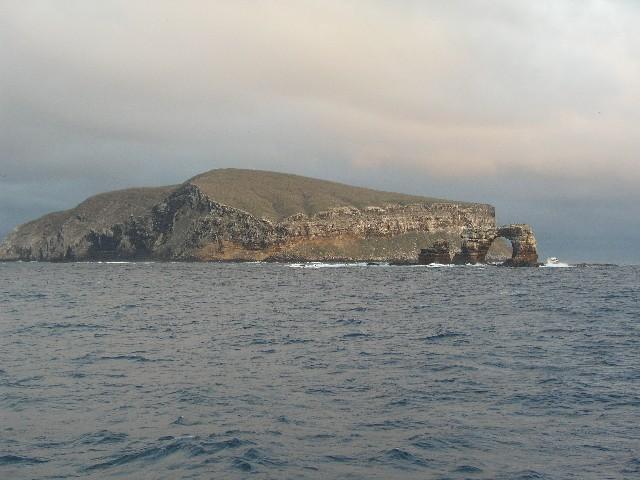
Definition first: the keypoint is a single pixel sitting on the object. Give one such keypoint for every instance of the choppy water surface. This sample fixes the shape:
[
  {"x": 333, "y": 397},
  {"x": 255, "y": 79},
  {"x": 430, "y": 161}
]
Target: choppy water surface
[{"x": 266, "y": 371}]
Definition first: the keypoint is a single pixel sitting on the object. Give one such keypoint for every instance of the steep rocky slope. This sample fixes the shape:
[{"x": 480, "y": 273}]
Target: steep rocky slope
[
  {"x": 56, "y": 235},
  {"x": 233, "y": 214}
]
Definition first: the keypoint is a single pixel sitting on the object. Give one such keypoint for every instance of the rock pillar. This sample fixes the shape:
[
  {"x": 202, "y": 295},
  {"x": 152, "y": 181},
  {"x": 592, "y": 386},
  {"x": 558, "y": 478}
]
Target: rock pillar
[{"x": 439, "y": 252}]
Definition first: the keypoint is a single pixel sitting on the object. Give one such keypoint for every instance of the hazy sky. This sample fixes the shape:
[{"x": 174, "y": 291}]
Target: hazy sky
[{"x": 533, "y": 106}]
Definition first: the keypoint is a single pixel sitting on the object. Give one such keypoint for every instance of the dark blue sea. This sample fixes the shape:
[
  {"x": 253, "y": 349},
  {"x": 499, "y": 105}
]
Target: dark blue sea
[{"x": 212, "y": 371}]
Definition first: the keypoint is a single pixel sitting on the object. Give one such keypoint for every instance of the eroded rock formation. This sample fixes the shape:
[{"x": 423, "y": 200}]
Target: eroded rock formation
[
  {"x": 525, "y": 248},
  {"x": 476, "y": 243},
  {"x": 439, "y": 252}
]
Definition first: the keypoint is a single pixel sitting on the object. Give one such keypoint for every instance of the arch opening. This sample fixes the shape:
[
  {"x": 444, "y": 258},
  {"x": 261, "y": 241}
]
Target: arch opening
[{"x": 500, "y": 250}]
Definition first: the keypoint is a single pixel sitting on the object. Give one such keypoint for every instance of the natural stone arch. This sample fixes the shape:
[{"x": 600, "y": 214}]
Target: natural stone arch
[
  {"x": 476, "y": 244},
  {"x": 523, "y": 242}
]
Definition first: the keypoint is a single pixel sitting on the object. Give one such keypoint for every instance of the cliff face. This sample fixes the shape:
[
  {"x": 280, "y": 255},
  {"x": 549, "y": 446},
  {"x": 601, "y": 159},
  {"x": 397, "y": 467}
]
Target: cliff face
[{"x": 189, "y": 223}]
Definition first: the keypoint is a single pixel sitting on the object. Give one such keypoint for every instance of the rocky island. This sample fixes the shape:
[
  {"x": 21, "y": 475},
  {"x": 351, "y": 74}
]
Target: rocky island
[{"x": 250, "y": 215}]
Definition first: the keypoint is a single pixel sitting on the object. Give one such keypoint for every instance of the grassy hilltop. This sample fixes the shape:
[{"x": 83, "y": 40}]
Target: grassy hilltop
[{"x": 274, "y": 196}]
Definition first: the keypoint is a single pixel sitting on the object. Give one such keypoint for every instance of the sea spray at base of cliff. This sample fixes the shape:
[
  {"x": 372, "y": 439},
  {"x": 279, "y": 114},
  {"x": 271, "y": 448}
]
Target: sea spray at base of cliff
[
  {"x": 556, "y": 265},
  {"x": 335, "y": 265}
]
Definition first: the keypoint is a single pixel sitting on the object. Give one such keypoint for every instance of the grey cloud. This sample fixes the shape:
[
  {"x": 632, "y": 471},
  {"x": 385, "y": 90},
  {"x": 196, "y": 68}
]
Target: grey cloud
[{"x": 529, "y": 105}]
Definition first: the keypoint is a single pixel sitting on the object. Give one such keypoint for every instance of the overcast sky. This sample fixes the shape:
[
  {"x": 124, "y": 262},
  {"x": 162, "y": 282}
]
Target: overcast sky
[{"x": 533, "y": 106}]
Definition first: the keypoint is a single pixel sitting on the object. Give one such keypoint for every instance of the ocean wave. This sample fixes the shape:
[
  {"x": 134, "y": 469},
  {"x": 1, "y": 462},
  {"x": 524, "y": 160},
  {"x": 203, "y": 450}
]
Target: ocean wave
[
  {"x": 116, "y": 262},
  {"x": 259, "y": 457},
  {"x": 184, "y": 422},
  {"x": 434, "y": 443},
  {"x": 20, "y": 460},
  {"x": 315, "y": 265},
  {"x": 556, "y": 265},
  {"x": 149, "y": 453},
  {"x": 528, "y": 475},
  {"x": 448, "y": 265},
  {"x": 632, "y": 466},
  {"x": 340, "y": 458},
  {"x": 467, "y": 469},
  {"x": 400, "y": 458},
  {"x": 90, "y": 358},
  {"x": 442, "y": 335},
  {"x": 60, "y": 326},
  {"x": 355, "y": 335},
  {"x": 335, "y": 265},
  {"x": 167, "y": 446},
  {"x": 102, "y": 437}
]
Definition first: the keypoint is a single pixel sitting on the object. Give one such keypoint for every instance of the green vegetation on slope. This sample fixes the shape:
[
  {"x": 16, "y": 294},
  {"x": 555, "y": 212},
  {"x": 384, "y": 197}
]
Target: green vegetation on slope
[{"x": 275, "y": 195}]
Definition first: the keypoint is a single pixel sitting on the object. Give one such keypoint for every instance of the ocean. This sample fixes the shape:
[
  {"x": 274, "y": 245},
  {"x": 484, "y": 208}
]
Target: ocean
[{"x": 271, "y": 371}]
